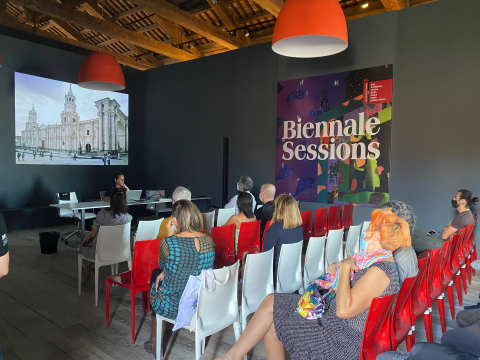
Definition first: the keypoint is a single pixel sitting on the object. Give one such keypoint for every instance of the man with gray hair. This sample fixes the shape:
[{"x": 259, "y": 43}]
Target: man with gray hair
[
  {"x": 405, "y": 259},
  {"x": 180, "y": 193},
  {"x": 245, "y": 184}
]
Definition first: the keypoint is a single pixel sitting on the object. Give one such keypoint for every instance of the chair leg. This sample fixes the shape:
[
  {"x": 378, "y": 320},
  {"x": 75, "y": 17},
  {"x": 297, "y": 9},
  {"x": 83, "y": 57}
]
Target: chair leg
[
  {"x": 198, "y": 347},
  {"x": 458, "y": 285},
  {"x": 450, "y": 299},
  {"x": 410, "y": 340},
  {"x": 441, "y": 311},
  {"x": 464, "y": 280},
  {"x": 159, "y": 338},
  {"x": 148, "y": 301},
  {"x": 80, "y": 260},
  {"x": 132, "y": 310},
  {"x": 107, "y": 301},
  {"x": 469, "y": 270},
  {"x": 144, "y": 296},
  {"x": 96, "y": 286},
  {"x": 428, "y": 325}
]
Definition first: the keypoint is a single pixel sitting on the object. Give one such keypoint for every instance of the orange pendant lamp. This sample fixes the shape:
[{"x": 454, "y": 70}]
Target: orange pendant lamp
[
  {"x": 310, "y": 28},
  {"x": 100, "y": 71}
]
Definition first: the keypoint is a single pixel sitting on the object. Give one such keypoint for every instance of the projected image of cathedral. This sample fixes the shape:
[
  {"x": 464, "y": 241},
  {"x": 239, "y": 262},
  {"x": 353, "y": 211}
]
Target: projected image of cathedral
[{"x": 108, "y": 133}]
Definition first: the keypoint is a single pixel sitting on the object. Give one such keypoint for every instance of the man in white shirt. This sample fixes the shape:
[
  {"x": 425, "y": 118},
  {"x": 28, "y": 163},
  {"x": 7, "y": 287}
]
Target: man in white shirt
[{"x": 245, "y": 184}]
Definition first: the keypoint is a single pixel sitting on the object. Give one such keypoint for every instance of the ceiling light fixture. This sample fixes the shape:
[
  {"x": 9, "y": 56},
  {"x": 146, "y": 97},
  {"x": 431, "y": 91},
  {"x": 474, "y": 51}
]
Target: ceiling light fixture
[
  {"x": 246, "y": 32},
  {"x": 100, "y": 71},
  {"x": 365, "y": 5},
  {"x": 310, "y": 28}
]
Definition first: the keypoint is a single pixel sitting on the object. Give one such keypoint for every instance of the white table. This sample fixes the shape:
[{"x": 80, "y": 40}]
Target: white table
[{"x": 82, "y": 206}]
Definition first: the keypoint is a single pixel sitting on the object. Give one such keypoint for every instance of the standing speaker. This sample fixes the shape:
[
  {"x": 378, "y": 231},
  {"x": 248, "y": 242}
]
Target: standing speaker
[{"x": 225, "y": 173}]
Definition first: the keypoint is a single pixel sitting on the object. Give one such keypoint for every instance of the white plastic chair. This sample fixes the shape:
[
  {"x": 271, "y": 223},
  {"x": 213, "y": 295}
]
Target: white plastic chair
[
  {"x": 215, "y": 310},
  {"x": 257, "y": 283},
  {"x": 208, "y": 221},
  {"x": 314, "y": 260},
  {"x": 148, "y": 230},
  {"x": 224, "y": 215},
  {"x": 353, "y": 244},
  {"x": 334, "y": 248},
  {"x": 72, "y": 214},
  {"x": 113, "y": 247},
  {"x": 289, "y": 272},
  {"x": 365, "y": 226}
]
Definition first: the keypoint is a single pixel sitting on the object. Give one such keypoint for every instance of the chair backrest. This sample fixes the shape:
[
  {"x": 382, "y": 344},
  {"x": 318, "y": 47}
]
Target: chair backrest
[
  {"x": 307, "y": 224},
  {"x": 353, "y": 240},
  {"x": 145, "y": 259},
  {"x": 401, "y": 324},
  {"x": 248, "y": 238},
  {"x": 289, "y": 273},
  {"x": 457, "y": 240},
  {"x": 365, "y": 225},
  {"x": 461, "y": 248},
  {"x": 224, "y": 239},
  {"x": 334, "y": 248},
  {"x": 433, "y": 274},
  {"x": 113, "y": 243},
  {"x": 102, "y": 194},
  {"x": 148, "y": 230},
  {"x": 347, "y": 216},
  {"x": 320, "y": 225},
  {"x": 376, "y": 336},
  {"x": 218, "y": 309},
  {"x": 257, "y": 280},
  {"x": 62, "y": 199},
  {"x": 334, "y": 217},
  {"x": 267, "y": 225},
  {"x": 224, "y": 215},
  {"x": 208, "y": 221},
  {"x": 468, "y": 239},
  {"x": 419, "y": 292},
  {"x": 445, "y": 264},
  {"x": 314, "y": 260}
]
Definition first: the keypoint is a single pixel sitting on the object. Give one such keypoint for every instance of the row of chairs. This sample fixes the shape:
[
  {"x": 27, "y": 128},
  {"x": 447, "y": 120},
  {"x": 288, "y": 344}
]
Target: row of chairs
[
  {"x": 218, "y": 218},
  {"x": 392, "y": 318},
  {"x": 326, "y": 219}
]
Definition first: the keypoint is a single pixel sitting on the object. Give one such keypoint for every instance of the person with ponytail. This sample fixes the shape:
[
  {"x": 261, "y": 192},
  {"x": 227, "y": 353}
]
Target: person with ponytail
[{"x": 462, "y": 203}]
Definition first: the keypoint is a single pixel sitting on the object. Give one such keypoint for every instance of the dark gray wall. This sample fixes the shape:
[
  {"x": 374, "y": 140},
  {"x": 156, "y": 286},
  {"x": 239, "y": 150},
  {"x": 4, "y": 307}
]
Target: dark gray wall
[
  {"x": 191, "y": 106},
  {"x": 26, "y": 190}
]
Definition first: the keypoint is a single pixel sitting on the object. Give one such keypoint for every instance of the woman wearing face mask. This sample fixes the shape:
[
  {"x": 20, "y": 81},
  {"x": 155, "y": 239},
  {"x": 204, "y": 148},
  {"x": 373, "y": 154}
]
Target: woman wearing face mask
[
  {"x": 340, "y": 334},
  {"x": 462, "y": 202},
  {"x": 180, "y": 255}
]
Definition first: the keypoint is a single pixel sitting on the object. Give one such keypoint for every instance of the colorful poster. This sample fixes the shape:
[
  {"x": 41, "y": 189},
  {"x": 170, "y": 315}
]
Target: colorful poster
[{"x": 334, "y": 137}]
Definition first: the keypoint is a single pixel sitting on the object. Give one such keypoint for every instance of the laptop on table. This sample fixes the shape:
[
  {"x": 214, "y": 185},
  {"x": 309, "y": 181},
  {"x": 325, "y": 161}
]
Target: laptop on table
[{"x": 133, "y": 195}]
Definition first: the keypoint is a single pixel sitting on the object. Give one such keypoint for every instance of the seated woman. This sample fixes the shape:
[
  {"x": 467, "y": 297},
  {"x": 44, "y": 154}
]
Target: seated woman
[
  {"x": 462, "y": 203},
  {"x": 180, "y": 255},
  {"x": 244, "y": 205},
  {"x": 340, "y": 334},
  {"x": 116, "y": 214}
]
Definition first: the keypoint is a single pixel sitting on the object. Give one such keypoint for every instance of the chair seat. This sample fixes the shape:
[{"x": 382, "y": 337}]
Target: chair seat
[
  {"x": 89, "y": 215},
  {"x": 125, "y": 280}
]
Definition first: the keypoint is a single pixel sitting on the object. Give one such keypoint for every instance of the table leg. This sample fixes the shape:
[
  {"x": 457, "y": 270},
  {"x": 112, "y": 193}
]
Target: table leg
[{"x": 156, "y": 210}]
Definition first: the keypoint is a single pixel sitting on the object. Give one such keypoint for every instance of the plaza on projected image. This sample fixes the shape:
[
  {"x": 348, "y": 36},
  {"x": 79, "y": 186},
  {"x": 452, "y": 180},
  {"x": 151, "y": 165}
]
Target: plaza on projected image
[{"x": 60, "y": 124}]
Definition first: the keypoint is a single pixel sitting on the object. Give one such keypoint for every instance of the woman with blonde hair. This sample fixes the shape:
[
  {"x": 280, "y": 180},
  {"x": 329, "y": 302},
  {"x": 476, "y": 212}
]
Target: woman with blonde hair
[
  {"x": 339, "y": 335},
  {"x": 180, "y": 255}
]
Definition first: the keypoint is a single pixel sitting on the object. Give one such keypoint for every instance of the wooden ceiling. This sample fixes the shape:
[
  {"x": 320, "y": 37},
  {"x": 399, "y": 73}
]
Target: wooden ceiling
[{"x": 145, "y": 34}]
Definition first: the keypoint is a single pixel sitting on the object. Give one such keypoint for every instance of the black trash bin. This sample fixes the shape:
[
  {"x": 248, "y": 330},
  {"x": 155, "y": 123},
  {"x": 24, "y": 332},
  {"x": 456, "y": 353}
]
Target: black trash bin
[{"x": 49, "y": 241}]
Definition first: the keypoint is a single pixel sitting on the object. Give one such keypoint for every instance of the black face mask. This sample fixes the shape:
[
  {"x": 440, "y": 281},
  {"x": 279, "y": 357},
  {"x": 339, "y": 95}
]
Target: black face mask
[{"x": 454, "y": 203}]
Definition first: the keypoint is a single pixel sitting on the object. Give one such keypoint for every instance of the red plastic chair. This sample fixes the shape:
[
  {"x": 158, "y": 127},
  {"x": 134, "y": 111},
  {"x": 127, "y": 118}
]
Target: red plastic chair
[
  {"x": 444, "y": 277},
  {"x": 347, "y": 216},
  {"x": 248, "y": 238},
  {"x": 224, "y": 239},
  {"x": 434, "y": 287},
  {"x": 320, "y": 227},
  {"x": 401, "y": 323},
  {"x": 418, "y": 299},
  {"x": 307, "y": 225},
  {"x": 264, "y": 232},
  {"x": 469, "y": 252},
  {"x": 457, "y": 262},
  {"x": 335, "y": 218},
  {"x": 145, "y": 259},
  {"x": 472, "y": 245},
  {"x": 376, "y": 336},
  {"x": 463, "y": 254}
]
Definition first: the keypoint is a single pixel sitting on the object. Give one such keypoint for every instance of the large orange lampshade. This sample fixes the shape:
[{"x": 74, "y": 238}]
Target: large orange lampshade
[
  {"x": 100, "y": 71},
  {"x": 310, "y": 28}
]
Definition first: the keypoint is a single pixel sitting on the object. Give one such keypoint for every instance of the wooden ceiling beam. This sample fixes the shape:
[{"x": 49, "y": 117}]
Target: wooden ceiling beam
[
  {"x": 10, "y": 21},
  {"x": 224, "y": 14},
  {"x": 358, "y": 11},
  {"x": 272, "y": 6},
  {"x": 67, "y": 29},
  {"x": 395, "y": 4},
  {"x": 174, "y": 32},
  {"x": 189, "y": 21},
  {"x": 54, "y": 9},
  {"x": 127, "y": 13}
]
